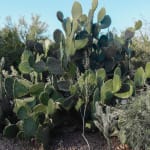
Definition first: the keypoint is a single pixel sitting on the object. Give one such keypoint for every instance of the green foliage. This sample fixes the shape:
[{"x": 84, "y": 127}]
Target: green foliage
[
  {"x": 10, "y": 45},
  {"x": 14, "y": 36},
  {"x": 138, "y": 25},
  {"x": 141, "y": 45}
]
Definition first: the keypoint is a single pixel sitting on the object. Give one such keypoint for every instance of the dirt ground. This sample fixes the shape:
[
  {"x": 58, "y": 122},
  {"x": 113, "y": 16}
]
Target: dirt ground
[{"x": 65, "y": 141}]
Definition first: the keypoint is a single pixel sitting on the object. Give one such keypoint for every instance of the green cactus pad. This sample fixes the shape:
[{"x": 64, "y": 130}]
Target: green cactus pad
[
  {"x": 63, "y": 86},
  {"x": 36, "y": 89},
  {"x": 21, "y": 88},
  {"x": 76, "y": 10},
  {"x": 94, "y": 4},
  {"x": 30, "y": 127},
  {"x": 126, "y": 94},
  {"x": 58, "y": 36},
  {"x": 101, "y": 73},
  {"x": 116, "y": 83},
  {"x": 26, "y": 56},
  {"x": 25, "y": 68},
  {"x": 49, "y": 88},
  {"x": 44, "y": 97},
  {"x": 60, "y": 16},
  {"x": 40, "y": 108},
  {"x": 51, "y": 108},
  {"x": 139, "y": 77},
  {"x": 79, "y": 44},
  {"x": 54, "y": 66},
  {"x": 106, "y": 22},
  {"x": 147, "y": 70},
  {"x": 40, "y": 66},
  {"x": 101, "y": 14},
  {"x": 106, "y": 90},
  {"x": 96, "y": 95},
  {"x": 68, "y": 26},
  {"x": 9, "y": 81},
  {"x": 22, "y": 113},
  {"x": 10, "y": 131}
]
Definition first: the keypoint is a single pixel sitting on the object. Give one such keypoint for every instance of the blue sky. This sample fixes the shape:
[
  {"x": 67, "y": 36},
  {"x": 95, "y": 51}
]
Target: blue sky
[{"x": 123, "y": 12}]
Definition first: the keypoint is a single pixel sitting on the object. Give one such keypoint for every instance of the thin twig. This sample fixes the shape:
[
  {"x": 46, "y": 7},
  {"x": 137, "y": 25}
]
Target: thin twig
[
  {"x": 84, "y": 113},
  {"x": 83, "y": 129}
]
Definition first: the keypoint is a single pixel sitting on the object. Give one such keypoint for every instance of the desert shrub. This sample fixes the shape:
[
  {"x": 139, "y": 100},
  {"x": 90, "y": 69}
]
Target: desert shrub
[
  {"x": 10, "y": 45},
  {"x": 13, "y": 38},
  {"x": 134, "y": 123},
  {"x": 141, "y": 45}
]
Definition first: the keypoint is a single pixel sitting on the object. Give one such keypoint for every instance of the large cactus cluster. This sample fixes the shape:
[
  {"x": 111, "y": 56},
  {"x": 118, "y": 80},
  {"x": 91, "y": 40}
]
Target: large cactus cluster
[
  {"x": 82, "y": 67},
  {"x": 84, "y": 43},
  {"x": 79, "y": 31}
]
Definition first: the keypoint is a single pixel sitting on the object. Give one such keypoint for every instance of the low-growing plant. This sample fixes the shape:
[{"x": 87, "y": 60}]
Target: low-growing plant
[
  {"x": 134, "y": 123},
  {"x": 106, "y": 120}
]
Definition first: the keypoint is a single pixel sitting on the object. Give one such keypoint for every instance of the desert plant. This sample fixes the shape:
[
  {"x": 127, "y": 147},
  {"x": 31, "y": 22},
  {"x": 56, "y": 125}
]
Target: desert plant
[
  {"x": 134, "y": 123},
  {"x": 79, "y": 32},
  {"x": 1, "y": 88},
  {"x": 34, "y": 105},
  {"x": 141, "y": 77},
  {"x": 106, "y": 120},
  {"x": 141, "y": 46},
  {"x": 13, "y": 38},
  {"x": 85, "y": 45},
  {"x": 6, "y": 97}
]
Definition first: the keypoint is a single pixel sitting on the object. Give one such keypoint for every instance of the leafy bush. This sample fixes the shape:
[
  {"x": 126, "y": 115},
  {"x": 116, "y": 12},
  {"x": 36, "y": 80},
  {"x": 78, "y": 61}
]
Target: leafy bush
[
  {"x": 13, "y": 38},
  {"x": 10, "y": 45},
  {"x": 141, "y": 46}
]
